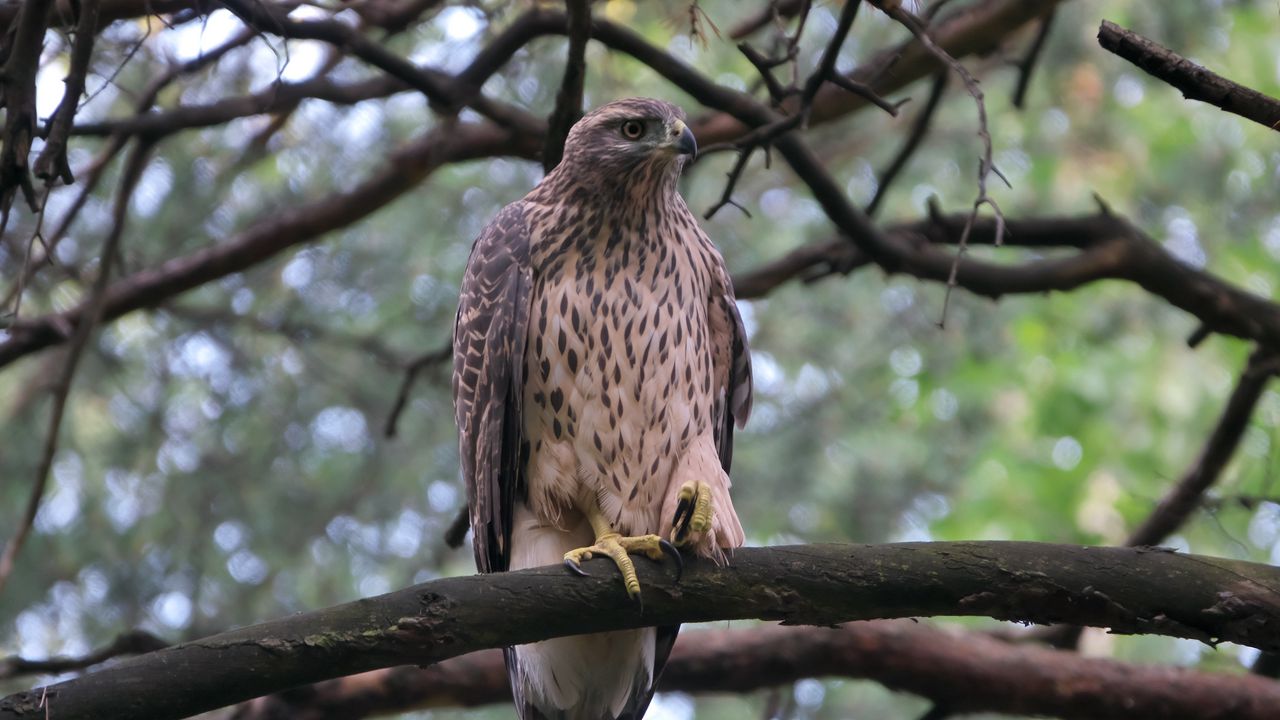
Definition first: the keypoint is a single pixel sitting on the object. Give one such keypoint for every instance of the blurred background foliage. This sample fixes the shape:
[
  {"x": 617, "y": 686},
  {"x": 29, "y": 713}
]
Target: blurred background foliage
[{"x": 223, "y": 459}]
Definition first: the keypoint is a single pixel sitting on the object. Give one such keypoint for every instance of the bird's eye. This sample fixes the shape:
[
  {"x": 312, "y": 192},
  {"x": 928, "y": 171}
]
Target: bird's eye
[{"x": 632, "y": 129}]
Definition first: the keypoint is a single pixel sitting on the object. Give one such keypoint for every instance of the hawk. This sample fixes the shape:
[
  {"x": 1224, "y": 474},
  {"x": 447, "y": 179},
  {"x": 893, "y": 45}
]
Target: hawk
[{"x": 600, "y": 364}]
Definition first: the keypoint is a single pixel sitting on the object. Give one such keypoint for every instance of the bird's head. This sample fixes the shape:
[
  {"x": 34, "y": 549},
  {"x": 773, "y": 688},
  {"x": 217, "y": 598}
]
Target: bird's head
[{"x": 630, "y": 139}]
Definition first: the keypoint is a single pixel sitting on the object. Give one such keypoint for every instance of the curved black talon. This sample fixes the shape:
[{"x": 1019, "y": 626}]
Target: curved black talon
[
  {"x": 573, "y": 566},
  {"x": 670, "y": 551},
  {"x": 683, "y": 516}
]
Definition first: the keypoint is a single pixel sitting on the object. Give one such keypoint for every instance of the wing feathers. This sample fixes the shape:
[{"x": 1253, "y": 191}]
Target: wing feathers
[{"x": 488, "y": 361}]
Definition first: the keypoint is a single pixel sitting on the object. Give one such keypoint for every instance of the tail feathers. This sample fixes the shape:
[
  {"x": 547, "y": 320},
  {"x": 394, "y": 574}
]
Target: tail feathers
[{"x": 606, "y": 676}]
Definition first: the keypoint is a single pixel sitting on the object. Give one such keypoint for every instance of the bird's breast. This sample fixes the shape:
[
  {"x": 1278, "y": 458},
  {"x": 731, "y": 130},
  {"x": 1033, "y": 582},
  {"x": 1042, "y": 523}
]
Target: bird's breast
[{"x": 618, "y": 372}]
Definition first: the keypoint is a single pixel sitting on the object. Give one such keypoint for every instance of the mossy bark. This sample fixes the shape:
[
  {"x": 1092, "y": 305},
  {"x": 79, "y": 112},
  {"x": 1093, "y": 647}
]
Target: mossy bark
[{"x": 1130, "y": 590}]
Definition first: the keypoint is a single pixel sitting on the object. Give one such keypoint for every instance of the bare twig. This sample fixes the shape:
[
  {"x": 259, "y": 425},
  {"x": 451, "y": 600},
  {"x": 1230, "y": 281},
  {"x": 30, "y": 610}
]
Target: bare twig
[
  {"x": 37, "y": 235},
  {"x": 763, "y": 65},
  {"x": 134, "y": 642},
  {"x": 1181, "y": 500},
  {"x": 84, "y": 330},
  {"x": 774, "y": 10},
  {"x": 986, "y": 164},
  {"x": 435, "y": 357},
  {"x": 763, "y": 137},
  {"x": 1195, "y": 82},
  {"x": 918, "y": 130},
  {"x": 867, "y": 92},
  {"x": 1027, "y": 66}
]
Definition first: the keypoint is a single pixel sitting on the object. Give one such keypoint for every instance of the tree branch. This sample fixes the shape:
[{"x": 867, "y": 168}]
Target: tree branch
[
  {"x": 441, "y": 90},
  {"x": 18, "y": 83},
  {"x": 1116, "y": 249},
  {"x": 1195, "y": 82},
  {"x": 130, "y": 643},
  {"x": 918, "y": 130},
  {"x": 91, "y": 316},
  {"x": 1127, "y": 590},
  {"x": 439, "y": 356},
  {"x": 403, "y": 170},
  {"x": 973, "y": 30},
  {"x": 52, "y": 163},
  {"x": 965, "y": 671},
  {"x": 1124, "y": 252},
  {"x": 1182, "y": 500},
  {"x": 569, "y": 99},
  {"x": 1027, "y": 65}
]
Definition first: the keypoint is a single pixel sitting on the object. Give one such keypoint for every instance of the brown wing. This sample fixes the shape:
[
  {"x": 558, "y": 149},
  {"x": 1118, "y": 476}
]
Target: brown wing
[
  {"x": 732, "y": 361},
  {"x": 488, "y": 375}
]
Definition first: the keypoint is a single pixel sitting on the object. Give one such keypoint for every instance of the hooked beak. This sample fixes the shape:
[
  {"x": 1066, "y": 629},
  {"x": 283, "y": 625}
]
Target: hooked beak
[{"x": 684, "y": 142}]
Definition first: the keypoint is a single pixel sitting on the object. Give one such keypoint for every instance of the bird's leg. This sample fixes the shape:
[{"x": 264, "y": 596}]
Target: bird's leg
[
  {"x": 618, "y": 548},
  {"x": 693, "y": 513}
]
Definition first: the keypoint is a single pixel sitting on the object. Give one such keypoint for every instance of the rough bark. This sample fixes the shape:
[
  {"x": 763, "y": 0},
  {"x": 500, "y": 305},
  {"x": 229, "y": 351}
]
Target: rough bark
[
  {"x": 967, "y": 671},
  {"x": 1149, "y": 591},
  {"x": 1195, "y": 81}
]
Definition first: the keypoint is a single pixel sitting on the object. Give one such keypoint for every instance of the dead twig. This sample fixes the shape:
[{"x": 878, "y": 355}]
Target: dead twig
[
  {"x": 417, "y": 365},
  {"x": 918, "y": 130},
  {"x": 764, "y": 137},
  {"x": 1194, "y": 81},
  {"x": 986, "y": 165},
  {"x": 134, "y": 642},
  {"x": 83, "y": 331},
  {"x": 1027, "y": 65}
]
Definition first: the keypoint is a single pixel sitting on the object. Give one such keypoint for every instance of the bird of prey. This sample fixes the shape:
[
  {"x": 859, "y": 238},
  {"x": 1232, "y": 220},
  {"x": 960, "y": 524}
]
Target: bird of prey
[{"x": 600, "y": 364}]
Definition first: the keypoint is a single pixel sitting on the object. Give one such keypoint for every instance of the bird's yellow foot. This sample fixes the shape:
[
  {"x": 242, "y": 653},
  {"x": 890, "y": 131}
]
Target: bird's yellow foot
[
  {"x": 619, "y": 549},
  {"x": 693, "y": 513}
]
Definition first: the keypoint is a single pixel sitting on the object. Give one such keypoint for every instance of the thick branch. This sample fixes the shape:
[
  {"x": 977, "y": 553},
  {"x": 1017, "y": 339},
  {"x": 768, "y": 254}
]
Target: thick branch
[
  {"x": 1195, "y": 82},
  {"x": 966, "y": 671},
  {"x": 1111, "y": 249},
  {"x": 1127, "y": 590}
]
